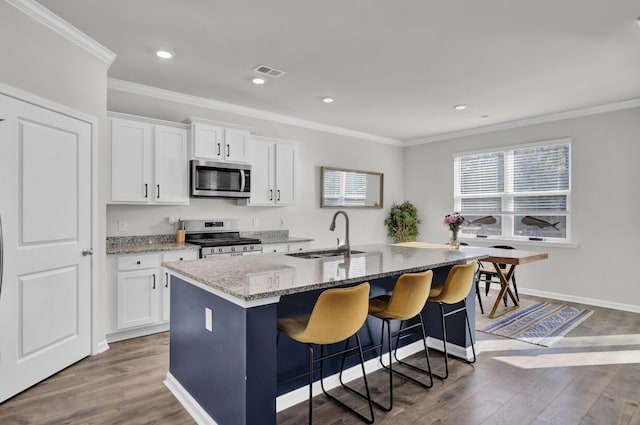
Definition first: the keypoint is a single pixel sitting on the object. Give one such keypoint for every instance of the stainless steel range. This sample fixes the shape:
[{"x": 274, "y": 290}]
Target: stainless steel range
[{"x": 219, "y": 237}]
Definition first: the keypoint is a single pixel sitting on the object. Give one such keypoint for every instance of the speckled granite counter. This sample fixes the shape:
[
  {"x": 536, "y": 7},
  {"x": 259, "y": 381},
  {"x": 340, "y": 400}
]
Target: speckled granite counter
[
  {"x": 240, "y": 276},
  {"x": 142, "y": 244}
]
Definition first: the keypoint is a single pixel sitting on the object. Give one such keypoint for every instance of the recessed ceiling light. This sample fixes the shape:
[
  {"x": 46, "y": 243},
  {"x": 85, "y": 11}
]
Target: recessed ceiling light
[
  {"x": 258, "y": 81},
  {"x": 328, "y": 99},
  {"x": 638, "y": 20},
  {"x": 460, "y": 107},
  {"x": 164, "y": 54},
  {"x": 484, "y": 116}
]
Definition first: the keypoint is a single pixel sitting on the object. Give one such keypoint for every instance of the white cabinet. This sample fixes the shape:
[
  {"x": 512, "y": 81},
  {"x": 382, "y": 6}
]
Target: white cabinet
[
  {"x": 285, "y": 247},
  {"x": 137, "y": 298},
  {"x": 149, "y": 162},
  {"x": 166, "y": 284},
  {"x": 217, "y": 143},
  {"x": 273, "y": 167},
  {"x": 139, "y": 293}
]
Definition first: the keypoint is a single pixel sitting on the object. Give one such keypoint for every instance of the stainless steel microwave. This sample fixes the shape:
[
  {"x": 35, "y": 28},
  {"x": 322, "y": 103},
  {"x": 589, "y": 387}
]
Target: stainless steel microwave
[{"x": 211, "y": 179}]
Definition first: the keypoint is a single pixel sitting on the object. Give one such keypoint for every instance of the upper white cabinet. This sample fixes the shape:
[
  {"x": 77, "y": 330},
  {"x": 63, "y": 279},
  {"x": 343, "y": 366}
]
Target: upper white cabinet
[
  {"x": 149, "y": 162},
  {"x": 273, "y": 167},
  {"x": 210, "y": 141}
]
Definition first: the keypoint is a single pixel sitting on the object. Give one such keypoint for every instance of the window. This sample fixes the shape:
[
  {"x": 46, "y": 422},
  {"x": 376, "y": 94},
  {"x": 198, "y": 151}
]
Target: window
[
  {"x": 521, "y": 192},
  {"x": 345, "y": 189}
]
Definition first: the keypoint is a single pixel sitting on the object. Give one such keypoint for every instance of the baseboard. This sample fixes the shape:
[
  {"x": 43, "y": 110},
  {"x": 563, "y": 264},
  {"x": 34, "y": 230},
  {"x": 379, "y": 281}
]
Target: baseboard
[
  {"x": 137, "y": 332},
  {"x": 102, "y": 347},
  {"x": 301, "y": 394},
  {"x": 580, "y": 300},
  {"x": 189, "y": 403}
]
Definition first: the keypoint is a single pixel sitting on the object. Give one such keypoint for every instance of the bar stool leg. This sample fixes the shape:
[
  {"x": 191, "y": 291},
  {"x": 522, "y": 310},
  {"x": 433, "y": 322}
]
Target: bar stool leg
[{"x": 310, "y": 383}]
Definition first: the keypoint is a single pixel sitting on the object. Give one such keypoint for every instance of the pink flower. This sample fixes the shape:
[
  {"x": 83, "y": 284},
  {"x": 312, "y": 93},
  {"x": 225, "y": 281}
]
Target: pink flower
[{"x": 454, "y": 221}]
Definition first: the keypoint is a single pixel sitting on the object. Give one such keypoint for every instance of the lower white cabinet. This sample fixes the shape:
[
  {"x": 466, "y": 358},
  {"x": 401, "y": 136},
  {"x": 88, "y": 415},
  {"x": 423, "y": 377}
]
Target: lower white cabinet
[
  {"x": 285, "y": 247},
  {"x": 139, "y": 293}
]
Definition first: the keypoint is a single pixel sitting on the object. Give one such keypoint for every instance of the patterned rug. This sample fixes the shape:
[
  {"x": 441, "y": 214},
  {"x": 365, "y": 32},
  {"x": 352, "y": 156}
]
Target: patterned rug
[{"x": 540, "y": 323}]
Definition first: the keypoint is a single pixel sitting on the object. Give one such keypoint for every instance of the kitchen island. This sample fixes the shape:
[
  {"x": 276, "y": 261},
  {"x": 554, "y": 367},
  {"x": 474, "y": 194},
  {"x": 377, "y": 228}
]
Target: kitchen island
[{"x": 226, "y": 363}]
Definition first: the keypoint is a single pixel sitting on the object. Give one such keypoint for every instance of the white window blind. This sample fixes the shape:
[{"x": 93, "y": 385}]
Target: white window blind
[
  {"x": 349, "y": 189},
  {"x": 517, "y": 192}
]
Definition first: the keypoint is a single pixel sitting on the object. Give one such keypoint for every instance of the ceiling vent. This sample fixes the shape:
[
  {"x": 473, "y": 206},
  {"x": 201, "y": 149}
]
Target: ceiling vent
[{"x": 268, "y": 71}]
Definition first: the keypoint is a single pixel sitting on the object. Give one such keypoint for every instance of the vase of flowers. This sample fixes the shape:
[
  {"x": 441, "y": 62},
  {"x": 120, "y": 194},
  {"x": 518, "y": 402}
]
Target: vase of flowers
[{"x": 454, "y": 222}]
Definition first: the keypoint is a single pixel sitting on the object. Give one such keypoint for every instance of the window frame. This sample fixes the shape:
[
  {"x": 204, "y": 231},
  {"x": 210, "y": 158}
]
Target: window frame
[{"x": 507, "y": 196}]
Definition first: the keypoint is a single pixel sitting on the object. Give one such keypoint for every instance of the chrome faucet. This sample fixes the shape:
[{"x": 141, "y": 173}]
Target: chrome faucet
[{"x": 344, "y": 247}]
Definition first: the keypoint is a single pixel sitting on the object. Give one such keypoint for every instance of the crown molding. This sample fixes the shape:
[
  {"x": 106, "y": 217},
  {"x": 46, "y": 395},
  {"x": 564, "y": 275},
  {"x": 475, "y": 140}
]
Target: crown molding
[
  {"x": 65, "y": 29},
  {"x": 576, "y": 113},
  {"x": 202, "y": 102}
]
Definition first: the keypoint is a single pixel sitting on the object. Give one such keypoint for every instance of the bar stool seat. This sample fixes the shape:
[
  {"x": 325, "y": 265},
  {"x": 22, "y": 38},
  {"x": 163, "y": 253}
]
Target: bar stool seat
[
  {"x": 455, "y": 290},
  {"x": 337, "y": 316},
  {"x": 406, "y": 302}
]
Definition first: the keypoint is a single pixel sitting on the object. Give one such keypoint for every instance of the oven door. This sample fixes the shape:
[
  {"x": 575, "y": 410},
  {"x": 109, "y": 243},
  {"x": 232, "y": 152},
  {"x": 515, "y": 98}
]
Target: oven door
[{"x": 220, "y": 180}]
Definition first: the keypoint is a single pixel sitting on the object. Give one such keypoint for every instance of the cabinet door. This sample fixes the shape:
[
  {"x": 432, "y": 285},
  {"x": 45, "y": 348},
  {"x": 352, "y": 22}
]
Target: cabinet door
[
  {"x": 274, "y": 247},
  {"x": 166, "y": 283},
  {"x": 137, "y": 298},
  {"x": 130, "y": 161},
  {"x": 207, "y": 141},
  {"x": 171, "y": 166},
  {"x": 299, "y": 246},
  {"x": 262, "y": 173},
  {"x": 285, "y": 174},
  {"x": 236, "y": 146}
]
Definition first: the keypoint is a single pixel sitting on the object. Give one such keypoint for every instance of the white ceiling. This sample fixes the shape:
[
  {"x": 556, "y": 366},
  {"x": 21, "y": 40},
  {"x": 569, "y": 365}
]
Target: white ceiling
[{"x": 396, "y": 68}]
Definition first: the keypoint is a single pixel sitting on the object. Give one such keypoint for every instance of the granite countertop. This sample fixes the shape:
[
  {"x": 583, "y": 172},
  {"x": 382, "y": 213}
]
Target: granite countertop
[
  {"x": 246, "y": 278},
  {"x": 288, "y": 239},
  {"x": 143, "y": 244},
  {"x": 159, "y": 243}
]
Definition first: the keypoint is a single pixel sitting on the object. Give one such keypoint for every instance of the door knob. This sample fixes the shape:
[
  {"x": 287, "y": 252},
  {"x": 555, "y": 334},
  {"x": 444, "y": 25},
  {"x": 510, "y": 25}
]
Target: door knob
[{"x": 87, "y": 251}]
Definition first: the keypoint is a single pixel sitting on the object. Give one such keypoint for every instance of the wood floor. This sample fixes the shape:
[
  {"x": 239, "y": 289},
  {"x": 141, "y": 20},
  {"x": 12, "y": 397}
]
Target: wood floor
[{"x": 592, "y": 376}]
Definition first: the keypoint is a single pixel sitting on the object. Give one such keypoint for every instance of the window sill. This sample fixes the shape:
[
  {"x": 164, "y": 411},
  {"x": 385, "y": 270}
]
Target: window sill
[{"x": 503, "y": 241}]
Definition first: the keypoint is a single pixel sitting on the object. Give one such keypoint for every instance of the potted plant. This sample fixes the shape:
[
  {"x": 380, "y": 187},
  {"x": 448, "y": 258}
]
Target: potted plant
[{"x": 402, "y": 222}]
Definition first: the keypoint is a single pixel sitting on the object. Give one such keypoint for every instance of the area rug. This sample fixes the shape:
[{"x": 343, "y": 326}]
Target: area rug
[{"x": 541, "y": 323}]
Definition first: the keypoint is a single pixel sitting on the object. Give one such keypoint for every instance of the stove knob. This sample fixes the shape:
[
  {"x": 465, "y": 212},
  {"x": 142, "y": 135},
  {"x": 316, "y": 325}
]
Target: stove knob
[
  {"x": 219, "y": 249},
  {"x": 244, "y": 248},
  {"x": 233, "y": 249}
]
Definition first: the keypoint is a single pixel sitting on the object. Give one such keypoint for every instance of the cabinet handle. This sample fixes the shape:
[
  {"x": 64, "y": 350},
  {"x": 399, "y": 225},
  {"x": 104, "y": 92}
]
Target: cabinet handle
[
  {"x": 146, "y": 190},
  {"x": 271, "y": 194},
  {"x": 218, "y": 149},
  {"x": 158, "y": 191},
  {"x": 278, "y": 194},
  {"x": 166, "y": 280},
  {"x": 228, "y": 150},
  {"x": 154, "y": 281},
  {"x": 138, "y": 262}
]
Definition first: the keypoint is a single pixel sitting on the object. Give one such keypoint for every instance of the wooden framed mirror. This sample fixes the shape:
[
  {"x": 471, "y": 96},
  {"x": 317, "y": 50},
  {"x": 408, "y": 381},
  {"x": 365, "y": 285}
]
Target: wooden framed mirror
[{"x": 345, "y": 188}]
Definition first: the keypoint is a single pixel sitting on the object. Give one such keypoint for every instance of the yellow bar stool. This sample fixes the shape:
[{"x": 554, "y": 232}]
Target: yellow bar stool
[
  {"x": 405, "y": 303},
  {"x": 337, "y": 316},
  {"x": 455, "y": 290}
]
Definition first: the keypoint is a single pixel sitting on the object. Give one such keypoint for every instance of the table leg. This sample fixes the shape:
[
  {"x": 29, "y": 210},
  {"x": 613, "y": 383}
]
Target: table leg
[{"x": 504, "y": 289}]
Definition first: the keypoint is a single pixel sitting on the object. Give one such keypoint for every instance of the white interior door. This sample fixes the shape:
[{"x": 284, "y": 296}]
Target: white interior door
[{"x": 45, "y": 203}]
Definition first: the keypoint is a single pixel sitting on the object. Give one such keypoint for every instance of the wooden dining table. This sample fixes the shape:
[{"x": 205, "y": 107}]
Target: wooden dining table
[
  {"x": 495, "y": 256},
  {"x": 511, "y": 257}
]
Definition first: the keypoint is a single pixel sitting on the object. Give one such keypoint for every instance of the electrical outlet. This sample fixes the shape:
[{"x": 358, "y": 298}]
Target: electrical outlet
[
  {"x": 256, "y": 222},
  {"x": 208, "y": 319},
  {"x": 283, "y": 221},
  {"x": 122, "y": 225}
]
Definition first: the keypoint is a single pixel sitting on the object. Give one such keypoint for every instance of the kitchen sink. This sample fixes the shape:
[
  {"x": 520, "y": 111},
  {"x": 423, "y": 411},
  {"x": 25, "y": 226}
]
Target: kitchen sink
[{"x": 321, "y": 254}]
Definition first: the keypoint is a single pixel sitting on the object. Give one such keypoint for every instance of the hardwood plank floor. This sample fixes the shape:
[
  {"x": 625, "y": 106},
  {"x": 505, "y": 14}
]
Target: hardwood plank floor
[{"x": 592, "y": 376}]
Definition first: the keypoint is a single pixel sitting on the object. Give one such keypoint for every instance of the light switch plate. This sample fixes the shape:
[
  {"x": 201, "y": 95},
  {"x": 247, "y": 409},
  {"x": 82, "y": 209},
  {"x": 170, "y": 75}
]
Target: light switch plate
[
  {"x": 208, "y": 319},
  {"x": 122, "y": 225}
]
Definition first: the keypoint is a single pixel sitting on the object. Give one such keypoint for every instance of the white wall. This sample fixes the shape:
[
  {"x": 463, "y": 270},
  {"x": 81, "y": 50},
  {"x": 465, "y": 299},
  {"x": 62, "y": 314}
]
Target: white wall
[
  {"x": 306, "y": 218},
  {"x": 605, "y": 203}
]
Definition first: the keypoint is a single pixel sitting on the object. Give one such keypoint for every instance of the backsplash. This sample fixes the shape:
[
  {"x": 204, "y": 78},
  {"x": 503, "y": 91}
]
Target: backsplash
[
  {"x": 128, "y": 241},
  {"x": 266, "y": 236}
]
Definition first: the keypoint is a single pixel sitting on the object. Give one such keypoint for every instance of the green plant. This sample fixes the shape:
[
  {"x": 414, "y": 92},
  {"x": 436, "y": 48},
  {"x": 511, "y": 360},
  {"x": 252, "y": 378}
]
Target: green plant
[{"x": 402, "y": 222}]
